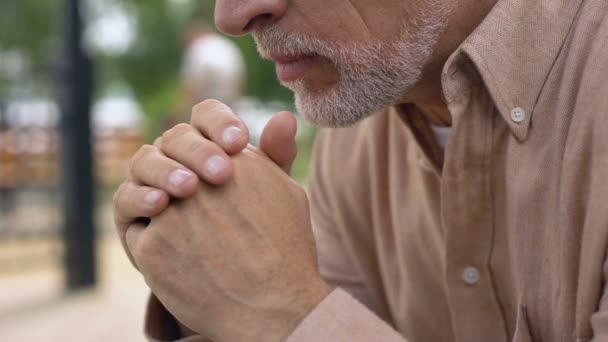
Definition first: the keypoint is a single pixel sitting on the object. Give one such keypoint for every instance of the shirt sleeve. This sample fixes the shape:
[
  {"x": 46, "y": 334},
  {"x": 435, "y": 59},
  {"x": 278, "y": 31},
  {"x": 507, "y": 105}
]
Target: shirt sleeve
[
  {"x": 161, "y": 326},
  {"x": 339, "y": 317}
]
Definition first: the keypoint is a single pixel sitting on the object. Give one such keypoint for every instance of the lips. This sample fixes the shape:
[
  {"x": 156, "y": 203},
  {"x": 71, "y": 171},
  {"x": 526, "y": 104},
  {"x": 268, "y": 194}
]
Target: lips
[{"x": 291, "y": 68}]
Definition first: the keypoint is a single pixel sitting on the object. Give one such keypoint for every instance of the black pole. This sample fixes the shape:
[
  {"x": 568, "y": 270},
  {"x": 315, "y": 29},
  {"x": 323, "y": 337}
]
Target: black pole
[{"x": 76, "y": 87}]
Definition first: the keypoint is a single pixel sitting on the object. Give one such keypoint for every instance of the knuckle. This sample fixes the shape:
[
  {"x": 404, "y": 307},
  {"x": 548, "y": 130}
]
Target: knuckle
[
  {"x": 191, "y": 144},
  {"x": 210, "y": 104},
  {"x": 118, "y": 195},
  {"x": 182, "y": 127},
  {"x": 134, "y": 159},
  {"x": 158, "y": 142},
  {"x": 174, "y": 132},
  {"x": 140, "y": 155},
  {"x": 201, "y": 148},
  {"x": 203, "y": 110}
]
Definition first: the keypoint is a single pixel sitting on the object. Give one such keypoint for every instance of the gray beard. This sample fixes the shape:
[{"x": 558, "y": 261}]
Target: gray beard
[{"x": 372, "y": 77}]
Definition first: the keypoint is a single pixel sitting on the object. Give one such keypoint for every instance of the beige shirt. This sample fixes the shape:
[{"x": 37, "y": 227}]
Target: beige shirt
[{"x": 502, "y": 238}]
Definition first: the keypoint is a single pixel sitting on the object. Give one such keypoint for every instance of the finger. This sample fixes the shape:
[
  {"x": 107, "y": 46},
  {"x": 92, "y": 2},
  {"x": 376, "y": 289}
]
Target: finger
[
  {"x": 204, "y": 157},
  {"x": 131, "y": 241},
  {"x": 218, "y": 123},
  {"x": 132, "y": 201},
  {"x": 278, "y": 140},
  {"x": 150, "y": 167}
]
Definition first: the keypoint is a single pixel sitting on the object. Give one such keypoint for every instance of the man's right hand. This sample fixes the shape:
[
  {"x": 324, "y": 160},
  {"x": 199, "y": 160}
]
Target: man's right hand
[{"x": 187, "y": 154}]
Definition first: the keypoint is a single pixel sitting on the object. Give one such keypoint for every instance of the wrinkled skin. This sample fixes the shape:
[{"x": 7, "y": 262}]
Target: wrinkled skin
[{"x": 243, "y": 252}]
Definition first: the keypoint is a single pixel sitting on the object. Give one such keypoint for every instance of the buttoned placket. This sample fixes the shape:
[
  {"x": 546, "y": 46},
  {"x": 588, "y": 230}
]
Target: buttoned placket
[{"x": 467, "y": 213}]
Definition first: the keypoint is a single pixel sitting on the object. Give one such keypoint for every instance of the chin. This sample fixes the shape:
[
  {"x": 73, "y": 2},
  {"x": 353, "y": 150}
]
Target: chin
[{"x": 322, "y": 111}]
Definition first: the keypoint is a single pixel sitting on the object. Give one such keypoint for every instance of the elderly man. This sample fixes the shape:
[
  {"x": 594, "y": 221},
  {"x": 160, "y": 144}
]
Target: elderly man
[{"x": 498, "y": 233}]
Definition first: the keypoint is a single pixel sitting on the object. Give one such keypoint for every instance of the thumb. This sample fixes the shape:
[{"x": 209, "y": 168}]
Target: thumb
[{"x": 278, "y": 140}]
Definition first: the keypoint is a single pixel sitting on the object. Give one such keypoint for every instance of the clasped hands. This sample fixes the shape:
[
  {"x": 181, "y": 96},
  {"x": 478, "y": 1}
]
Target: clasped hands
[{"x": 219, "y": 231}]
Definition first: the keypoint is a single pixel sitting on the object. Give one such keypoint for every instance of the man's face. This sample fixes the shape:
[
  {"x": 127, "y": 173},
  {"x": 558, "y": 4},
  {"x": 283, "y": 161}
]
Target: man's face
[{"x": 343, "y": 59}]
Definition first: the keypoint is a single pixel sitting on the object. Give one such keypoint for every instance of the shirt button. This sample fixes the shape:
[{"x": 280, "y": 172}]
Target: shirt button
[
  {"x": 471, "y": 275},
  {"x": 518, "y": 114}
]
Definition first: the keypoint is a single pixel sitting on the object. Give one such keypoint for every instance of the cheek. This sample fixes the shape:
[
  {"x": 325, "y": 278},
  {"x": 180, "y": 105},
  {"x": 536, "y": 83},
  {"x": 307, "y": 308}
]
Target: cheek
[
  {"x": 352, "y": 20},
  {"x": 336, "y": 21}
]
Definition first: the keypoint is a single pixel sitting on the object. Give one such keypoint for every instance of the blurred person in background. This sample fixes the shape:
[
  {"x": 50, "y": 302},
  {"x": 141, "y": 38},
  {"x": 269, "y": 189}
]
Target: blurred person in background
[
  {"x": 212, "y": 68},
  {"x": 118, "y": 132},
  {"x": 458, "y": 190}
]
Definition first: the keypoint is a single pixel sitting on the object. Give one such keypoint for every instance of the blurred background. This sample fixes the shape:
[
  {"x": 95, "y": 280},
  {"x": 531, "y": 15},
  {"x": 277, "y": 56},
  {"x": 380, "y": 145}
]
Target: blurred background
[{"x": 83, "y": 84}]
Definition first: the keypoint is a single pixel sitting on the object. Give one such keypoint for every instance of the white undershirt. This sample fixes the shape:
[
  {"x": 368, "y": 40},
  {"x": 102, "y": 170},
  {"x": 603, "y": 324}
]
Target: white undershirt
[{"x": 442, "y": 134}]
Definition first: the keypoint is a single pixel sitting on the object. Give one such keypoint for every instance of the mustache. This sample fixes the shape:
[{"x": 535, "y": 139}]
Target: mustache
[{"x": 271, "y": 41}]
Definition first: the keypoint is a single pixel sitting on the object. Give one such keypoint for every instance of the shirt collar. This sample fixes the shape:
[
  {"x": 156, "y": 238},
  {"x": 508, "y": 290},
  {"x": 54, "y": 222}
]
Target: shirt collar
[{"x": 514, "y": 49}]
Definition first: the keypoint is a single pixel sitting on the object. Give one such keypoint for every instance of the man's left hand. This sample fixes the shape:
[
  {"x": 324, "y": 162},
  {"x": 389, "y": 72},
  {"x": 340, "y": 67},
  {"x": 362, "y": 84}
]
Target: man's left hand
[{"x": 236, "y": 262}]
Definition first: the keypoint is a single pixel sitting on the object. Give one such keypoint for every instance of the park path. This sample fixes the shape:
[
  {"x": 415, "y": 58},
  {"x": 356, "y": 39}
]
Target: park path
[{"x": 33, "y": 306}]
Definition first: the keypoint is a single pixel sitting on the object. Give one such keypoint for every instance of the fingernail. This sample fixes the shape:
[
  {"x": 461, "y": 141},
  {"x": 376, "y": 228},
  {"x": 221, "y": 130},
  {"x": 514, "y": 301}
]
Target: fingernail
[
  {"x": 215, "y": 164},
  {"x": 179, "y": 177},
  {"x": 231, "y": 135},
  {"x": 153, "y": 197}
]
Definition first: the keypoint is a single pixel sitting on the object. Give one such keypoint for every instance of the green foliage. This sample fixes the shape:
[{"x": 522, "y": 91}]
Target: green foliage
[
  {"x": 151, "y": 65},
  {"x": 29, "y": 28},
  {"x": 29, "y": 25},
  {"x": 300, "y": 167}
]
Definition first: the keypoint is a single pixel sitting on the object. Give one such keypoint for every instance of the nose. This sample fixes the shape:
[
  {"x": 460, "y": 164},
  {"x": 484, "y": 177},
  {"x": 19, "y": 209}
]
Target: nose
[{"x": 239, "y": 17}]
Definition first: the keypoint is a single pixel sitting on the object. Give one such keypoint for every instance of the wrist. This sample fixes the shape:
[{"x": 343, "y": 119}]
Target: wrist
[
  {"x": 300, "y": 308},
  {"x": 276, "y": 319}
]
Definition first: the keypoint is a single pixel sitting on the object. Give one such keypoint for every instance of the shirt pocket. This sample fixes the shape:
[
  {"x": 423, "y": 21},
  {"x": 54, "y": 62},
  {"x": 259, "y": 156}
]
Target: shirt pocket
[{"x": 522, "y": 326}]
